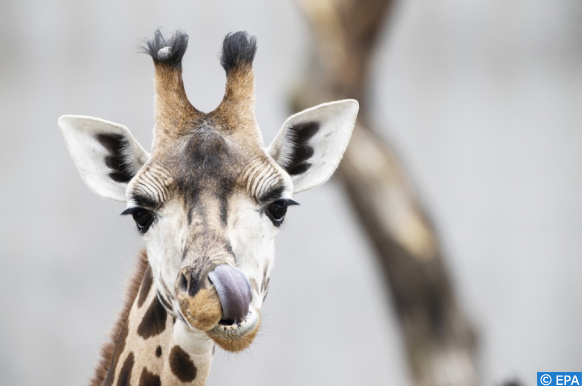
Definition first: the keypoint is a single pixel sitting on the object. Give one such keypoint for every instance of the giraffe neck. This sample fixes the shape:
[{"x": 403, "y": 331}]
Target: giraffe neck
[{"x": 149, "y": 346}]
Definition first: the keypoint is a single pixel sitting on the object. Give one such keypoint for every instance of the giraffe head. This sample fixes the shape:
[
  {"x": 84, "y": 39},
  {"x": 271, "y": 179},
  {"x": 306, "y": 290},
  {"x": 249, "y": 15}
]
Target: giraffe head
[{"x": 210, "y": 198}]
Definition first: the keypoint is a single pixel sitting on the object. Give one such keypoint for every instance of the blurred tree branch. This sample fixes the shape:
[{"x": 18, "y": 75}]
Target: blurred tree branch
[{"x": 439, "y": 340}]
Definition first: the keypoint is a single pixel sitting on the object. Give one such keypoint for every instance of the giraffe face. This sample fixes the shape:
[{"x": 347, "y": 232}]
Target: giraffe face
[
  {"x": 210, "y": 199},
  {"x": 208, "y": 202}
]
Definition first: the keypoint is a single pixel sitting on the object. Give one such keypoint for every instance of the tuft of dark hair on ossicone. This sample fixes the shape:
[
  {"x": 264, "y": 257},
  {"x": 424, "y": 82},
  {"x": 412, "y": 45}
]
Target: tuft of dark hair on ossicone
[
  {"x": 167, "y": 50},
  {"x": 238, "y": 48}
]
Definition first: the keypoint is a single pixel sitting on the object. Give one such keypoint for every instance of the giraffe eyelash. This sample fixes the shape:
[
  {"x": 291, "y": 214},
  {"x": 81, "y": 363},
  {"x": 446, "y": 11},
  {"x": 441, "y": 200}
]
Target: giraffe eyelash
[
  {"x": 277, "y": 210},
  {"x": 143, "y": 218}
]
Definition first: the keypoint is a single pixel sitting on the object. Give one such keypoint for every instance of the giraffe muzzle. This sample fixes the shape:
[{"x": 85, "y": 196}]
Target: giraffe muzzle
[
  {"x": 240, "y": 321},
  {"x": 221, "y": 296}
]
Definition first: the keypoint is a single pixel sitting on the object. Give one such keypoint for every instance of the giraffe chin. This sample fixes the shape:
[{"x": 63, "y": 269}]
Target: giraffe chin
[{"x": 237, "y": 336}]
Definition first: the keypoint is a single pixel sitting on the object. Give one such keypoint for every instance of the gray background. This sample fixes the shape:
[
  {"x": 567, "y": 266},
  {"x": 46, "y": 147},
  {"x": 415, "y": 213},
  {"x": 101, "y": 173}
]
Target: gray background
[{"x": 482, "y": 99}]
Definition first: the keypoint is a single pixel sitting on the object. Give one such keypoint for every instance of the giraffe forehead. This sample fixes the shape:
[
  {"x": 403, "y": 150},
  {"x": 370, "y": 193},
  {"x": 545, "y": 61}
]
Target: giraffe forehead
[{"x": 208, "y": 164}]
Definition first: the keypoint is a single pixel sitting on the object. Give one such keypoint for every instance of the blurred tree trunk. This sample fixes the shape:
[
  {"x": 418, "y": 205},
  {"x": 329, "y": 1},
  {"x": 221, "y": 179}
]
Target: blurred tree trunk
[{"x": 439, "y": 341}]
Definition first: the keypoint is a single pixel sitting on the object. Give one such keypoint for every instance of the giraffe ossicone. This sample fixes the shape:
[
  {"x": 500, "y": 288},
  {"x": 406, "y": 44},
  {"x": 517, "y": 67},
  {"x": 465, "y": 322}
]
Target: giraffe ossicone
[{"x": 208, "y": 201}]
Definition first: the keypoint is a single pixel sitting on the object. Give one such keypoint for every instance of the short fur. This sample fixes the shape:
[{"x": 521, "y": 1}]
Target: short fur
[
  {"x": 177, "y": 43},
  {"x": 108, "y": 349},
  {"x": 238, "y": 48}
]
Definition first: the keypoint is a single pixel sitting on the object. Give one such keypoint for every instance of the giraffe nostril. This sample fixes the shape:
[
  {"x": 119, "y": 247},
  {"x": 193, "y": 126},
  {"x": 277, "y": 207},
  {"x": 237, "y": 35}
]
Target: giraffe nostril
[
  {"x": 183, "y": 283},
  {"x": 188, "y": 282}
]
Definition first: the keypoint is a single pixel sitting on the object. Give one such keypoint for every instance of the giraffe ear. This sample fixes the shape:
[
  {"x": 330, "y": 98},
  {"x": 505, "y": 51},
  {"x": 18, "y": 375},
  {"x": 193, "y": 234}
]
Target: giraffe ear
[
  {"x": 106, "y": 154},
  {"x": 311, "y": 143}
]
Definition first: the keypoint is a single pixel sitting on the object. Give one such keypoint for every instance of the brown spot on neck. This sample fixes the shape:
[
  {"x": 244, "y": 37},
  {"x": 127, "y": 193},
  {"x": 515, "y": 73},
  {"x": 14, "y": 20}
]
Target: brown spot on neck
[
  {"x": 146, "y": 285},
  {"x": 115, "y": 358},
  {"x": 111, "y": 351},
  {"x": 148, "y": 379},
  {"x": 154, "y": 320},
  {"x": 125, "y": 372},
  {"x": 181, "y": 365}
]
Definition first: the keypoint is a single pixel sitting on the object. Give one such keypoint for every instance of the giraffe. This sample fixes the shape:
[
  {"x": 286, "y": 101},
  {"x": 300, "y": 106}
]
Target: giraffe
[{"x": 208, "y": 202}]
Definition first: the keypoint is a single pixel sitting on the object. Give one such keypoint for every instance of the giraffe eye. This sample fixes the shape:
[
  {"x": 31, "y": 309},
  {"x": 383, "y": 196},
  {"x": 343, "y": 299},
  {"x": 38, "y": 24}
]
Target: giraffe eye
[
  {"x": 143, "y": 218},
  {"x": 276, "y": 211}
]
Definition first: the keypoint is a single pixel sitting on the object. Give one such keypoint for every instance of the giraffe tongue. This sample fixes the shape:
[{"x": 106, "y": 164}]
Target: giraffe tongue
[{"x": 234, "y": 292}]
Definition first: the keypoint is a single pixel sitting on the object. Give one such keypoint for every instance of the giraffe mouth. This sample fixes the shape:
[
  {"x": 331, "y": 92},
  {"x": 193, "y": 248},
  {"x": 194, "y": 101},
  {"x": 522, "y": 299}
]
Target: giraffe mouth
[
  {"x": 234, "y": 293},
  {"x": 236, "y": 336}
]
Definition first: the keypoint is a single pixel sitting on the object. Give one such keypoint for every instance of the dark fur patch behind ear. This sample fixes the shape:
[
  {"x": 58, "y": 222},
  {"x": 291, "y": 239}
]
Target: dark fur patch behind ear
[
  {"x": 177, "y": 47},
  {"x": 299, "y": 135},
  {"x": 238, "y": 48},
  {"x": 121, "y": 168}
]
